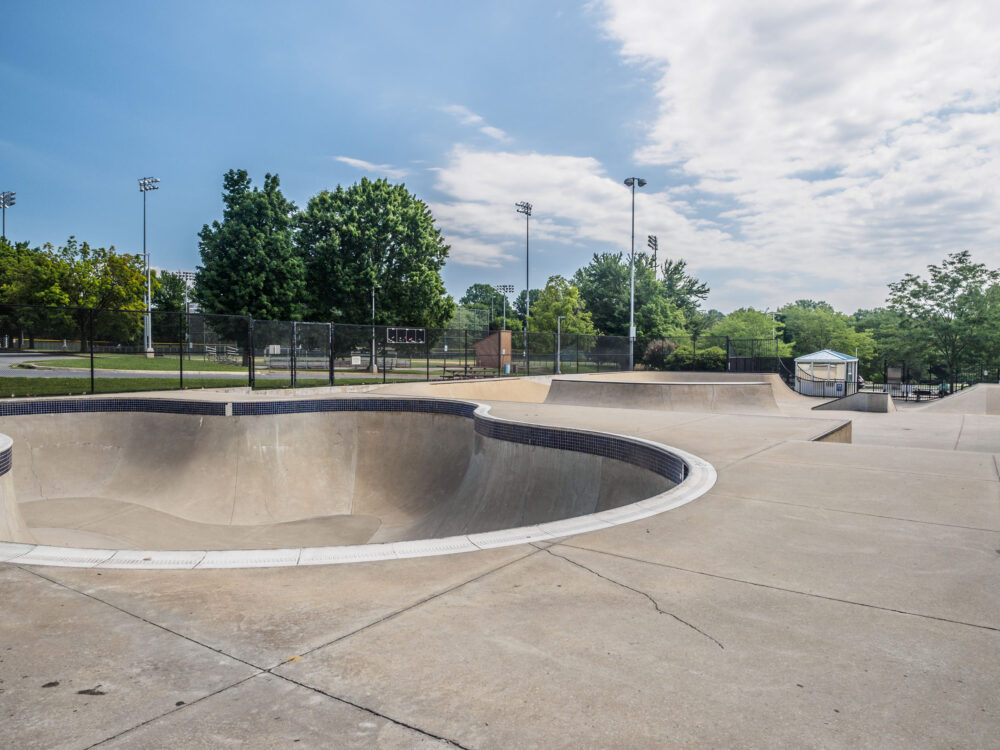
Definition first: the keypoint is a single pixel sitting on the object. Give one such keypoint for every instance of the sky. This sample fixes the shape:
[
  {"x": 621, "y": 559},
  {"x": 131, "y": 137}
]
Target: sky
[{"x": 791, "y": 149}]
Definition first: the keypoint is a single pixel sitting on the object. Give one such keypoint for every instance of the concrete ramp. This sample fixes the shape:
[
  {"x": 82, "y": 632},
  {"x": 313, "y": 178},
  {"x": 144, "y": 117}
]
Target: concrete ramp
[
  {"x": 983, "y": 398},
  {"x": 866, "y": 401},
  {"x": 739, "y": 397}
]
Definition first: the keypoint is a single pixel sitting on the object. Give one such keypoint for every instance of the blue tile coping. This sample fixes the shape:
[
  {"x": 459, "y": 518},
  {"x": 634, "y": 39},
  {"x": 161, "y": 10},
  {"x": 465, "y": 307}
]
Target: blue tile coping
[{"x": 691, "y": 475}]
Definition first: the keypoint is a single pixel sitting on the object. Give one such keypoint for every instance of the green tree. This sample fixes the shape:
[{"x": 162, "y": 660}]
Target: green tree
[
  {"x": 747, "y": 323},
  {"x": 560, "y": 298},
  {"x": 604, "y": 288},
  {"x": 684, "y": 291},
  {"x": 894, "y": 342},
  {"x": 816, "y": 325},
  {"x": 373, "y": 234},
  {"x": 519, "y": 303},
  {"x": 954, "y": 314},
  {"x": 101, "y": 278},
  {"x": 661, "y": 307},
  {"x": 29, "y": 276},
  {"x": 249, "y": 264},
  {"x": 485, "y": 297},
  {"x": 169, "y": 292}
]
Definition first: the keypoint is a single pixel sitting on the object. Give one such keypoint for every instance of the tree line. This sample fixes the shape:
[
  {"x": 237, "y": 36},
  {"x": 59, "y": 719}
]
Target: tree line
[
  {"x": 935, "y": 326},
  {"x": 270, "y": 260}
]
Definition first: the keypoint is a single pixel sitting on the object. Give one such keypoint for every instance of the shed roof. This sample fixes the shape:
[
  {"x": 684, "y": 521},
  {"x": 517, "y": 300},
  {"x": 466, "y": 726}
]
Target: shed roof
[{"x": 825, "y": 357}]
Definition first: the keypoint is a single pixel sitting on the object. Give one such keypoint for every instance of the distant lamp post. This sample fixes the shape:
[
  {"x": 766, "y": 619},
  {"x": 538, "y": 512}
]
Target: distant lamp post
[
  {"x": 653, "y": 244},
  {"x": 524, "y": 207},
  {"x": 145, "y": 185},
  {"x": 373, "y": 366},
  {"x": 632, "y": 182},
  {"x": 503, "y": 290},
  {"x": 6, "y": 200},
  {"x": 559, "y": 321}
]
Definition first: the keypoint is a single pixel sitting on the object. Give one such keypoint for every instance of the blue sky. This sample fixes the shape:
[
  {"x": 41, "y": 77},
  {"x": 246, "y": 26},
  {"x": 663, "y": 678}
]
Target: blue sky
[{"x": 789, "y": 154}]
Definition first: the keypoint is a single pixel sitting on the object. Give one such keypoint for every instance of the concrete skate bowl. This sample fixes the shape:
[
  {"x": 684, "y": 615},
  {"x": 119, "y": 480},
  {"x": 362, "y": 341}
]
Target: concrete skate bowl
[
  {"x": 623, "y": 392},
  {"x": 157, "y": 483}
]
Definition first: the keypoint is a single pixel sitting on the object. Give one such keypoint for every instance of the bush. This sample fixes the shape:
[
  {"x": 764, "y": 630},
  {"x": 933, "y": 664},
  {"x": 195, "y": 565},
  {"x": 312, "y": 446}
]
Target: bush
[
  {"x": 658, "y": 353},
  {"x": 713, "y": 359}
]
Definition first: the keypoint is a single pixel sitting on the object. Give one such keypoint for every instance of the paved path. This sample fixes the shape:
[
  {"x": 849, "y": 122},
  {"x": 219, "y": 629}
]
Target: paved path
[{"x": 821, "y": 595}]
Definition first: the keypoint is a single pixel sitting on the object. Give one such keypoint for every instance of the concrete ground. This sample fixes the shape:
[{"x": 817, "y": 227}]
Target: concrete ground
[{"x": 820, "y": 595}]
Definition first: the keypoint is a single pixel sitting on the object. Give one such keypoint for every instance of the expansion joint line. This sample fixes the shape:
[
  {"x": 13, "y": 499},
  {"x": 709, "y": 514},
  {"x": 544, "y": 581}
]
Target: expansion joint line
[
  {"x": 259, "y": 670},
  {"x": 373, "y": 712},
  {"x": 652, "y": 601}
]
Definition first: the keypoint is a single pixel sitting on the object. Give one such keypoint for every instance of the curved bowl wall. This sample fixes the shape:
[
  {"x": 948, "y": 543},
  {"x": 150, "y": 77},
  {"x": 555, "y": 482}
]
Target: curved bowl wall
[{"x": 365, "y": 476}]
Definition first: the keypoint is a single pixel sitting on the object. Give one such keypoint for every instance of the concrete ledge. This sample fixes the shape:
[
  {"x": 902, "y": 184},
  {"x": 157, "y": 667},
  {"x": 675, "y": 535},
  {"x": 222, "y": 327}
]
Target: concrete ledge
[{"x": 866, "y": 401}]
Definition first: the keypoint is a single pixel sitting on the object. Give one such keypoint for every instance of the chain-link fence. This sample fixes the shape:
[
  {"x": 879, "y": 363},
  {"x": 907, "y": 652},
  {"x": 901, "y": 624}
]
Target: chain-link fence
[{"x": 62, "y": 350}]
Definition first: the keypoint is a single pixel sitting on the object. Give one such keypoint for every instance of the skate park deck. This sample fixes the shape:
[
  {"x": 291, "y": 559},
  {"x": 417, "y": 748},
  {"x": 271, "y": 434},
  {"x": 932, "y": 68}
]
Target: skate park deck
[{"x": 821, "y": 594}]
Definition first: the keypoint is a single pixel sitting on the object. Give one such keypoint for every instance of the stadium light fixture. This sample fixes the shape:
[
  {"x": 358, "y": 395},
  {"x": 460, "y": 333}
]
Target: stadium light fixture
[{"x": 6, "y": 200}]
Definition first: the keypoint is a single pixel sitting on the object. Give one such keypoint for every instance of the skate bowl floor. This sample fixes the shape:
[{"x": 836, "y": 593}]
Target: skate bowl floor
[{"x": 316, "y": 481}]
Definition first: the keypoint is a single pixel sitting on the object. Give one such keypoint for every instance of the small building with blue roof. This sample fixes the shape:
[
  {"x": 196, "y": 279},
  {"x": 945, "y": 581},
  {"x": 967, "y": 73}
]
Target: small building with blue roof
[{"x": 826, "y": 373}]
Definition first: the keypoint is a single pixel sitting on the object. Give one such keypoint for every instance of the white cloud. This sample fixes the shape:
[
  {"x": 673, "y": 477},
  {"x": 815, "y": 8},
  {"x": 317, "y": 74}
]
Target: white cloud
[
  {"x": 857, "y": 141},
  {"x": 385, "y": 170},
  {"x": 826, "y": 150},
  {"x": 576, "y": 203},
  {"x": 465, "y": 116}
]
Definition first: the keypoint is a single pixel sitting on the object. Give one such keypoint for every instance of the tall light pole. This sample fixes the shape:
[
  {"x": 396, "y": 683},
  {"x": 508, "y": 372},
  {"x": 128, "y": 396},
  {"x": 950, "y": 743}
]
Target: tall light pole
[
  {"x": 373, "y": 366},
  {"x": 523, "y": 207},
  {"x": 559, "y": 321},
  {"x": 145, "y": 185},
  {"x": 6, "y": 200},
  {"x": 503, "y": 290},
  {"x": 632, "y": 182}
]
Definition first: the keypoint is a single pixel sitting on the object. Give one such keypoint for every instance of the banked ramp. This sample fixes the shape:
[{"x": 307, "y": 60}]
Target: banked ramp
[{"x": 722, "y": 396}]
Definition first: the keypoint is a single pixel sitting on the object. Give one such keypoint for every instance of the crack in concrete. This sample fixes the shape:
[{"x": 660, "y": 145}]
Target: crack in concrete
[
  {"x": 653, "y": 601},
  {"x": 960, "y": 429},
  {"x": 788, "y": 590}
]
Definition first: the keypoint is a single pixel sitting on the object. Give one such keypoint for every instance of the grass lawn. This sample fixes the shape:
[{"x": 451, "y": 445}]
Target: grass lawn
[
  {"x": 139, "y": 362},
  {"x": 28, "y": 386},
  {"x": 10, "y": 387}
]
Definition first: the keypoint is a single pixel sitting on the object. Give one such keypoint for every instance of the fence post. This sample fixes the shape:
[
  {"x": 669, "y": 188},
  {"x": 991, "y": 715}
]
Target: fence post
[
  {"x": 383, "y": 363},
  {"x": 330, "y": 341},
  {"x": 427, "y": 354},
  {"x": 465, "y": 352},
  {"x": 291, "y": 355},
  {"x": 180, "y": 345},
  {"x": 729, "y": 355},
  {"x": 93, "y": 388},
  {"x": 578, "y": 354},
  {"x": 250, "y": 354},
  {"x": 499, "y": 353},
  {"x": 527, "y": 349}
]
